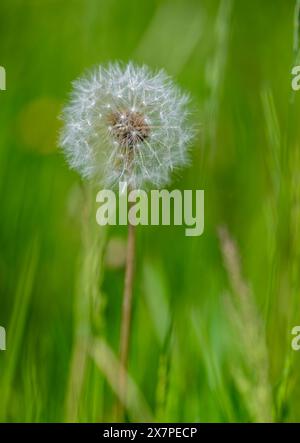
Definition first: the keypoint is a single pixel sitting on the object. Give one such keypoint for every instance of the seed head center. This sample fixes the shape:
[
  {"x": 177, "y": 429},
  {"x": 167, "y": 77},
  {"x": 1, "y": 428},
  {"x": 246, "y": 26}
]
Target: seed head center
[{"x": 128, "y": 128}]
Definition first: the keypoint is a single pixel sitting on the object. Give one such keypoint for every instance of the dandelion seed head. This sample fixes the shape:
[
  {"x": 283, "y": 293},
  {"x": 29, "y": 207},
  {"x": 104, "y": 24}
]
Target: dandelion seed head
[{"x": 126, "y": 124}]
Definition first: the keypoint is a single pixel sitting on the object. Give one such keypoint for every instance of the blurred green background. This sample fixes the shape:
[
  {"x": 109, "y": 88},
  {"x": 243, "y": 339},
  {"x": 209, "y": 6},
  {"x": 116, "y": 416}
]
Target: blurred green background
[{"x": 212, "y": 318}]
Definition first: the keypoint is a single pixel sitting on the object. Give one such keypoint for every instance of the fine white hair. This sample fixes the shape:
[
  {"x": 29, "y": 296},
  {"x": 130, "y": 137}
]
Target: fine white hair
[{"x": 152, "y": 142}]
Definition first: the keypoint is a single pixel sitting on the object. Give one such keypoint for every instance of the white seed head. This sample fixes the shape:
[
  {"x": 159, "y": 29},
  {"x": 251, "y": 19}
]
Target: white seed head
[{"x": 126, "y": 124}]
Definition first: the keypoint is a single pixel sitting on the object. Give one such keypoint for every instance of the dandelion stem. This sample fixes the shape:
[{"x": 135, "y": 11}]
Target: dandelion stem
[{"x": 126, "y": 315}]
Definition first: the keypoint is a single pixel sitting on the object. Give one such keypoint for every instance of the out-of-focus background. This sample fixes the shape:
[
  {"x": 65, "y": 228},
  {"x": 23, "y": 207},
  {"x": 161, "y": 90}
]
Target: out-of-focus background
[{"x": 212, "y": 318}]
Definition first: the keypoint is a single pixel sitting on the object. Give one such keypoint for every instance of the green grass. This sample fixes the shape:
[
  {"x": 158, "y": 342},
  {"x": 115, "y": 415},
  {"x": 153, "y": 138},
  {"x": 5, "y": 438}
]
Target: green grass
[{"x": 212, "y": 315}]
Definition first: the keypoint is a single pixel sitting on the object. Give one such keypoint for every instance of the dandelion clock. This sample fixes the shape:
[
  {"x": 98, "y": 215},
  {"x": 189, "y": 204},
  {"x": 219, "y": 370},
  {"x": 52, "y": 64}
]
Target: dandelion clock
[{"x": 126, "y": 125}]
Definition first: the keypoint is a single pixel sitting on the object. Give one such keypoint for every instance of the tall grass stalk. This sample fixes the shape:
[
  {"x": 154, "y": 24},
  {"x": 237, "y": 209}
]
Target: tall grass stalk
[
  {"x": 252, "y": 376},
  {"x": 87, "y": 301}
]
